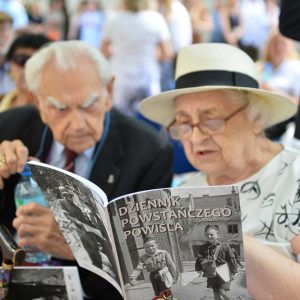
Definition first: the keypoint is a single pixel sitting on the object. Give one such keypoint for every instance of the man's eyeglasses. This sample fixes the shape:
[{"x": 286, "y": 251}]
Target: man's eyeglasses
[
  {"x": 209, "y": 126},
  {"x": 20, "y": 59}
]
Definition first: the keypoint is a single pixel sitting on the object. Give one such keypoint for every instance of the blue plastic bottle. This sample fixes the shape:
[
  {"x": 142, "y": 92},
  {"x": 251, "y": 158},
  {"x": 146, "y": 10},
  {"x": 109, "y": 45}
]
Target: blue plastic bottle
[{"x": 26, "y": 191}]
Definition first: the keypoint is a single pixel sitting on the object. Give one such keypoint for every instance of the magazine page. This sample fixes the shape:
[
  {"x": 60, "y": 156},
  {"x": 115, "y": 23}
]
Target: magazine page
[
  {"x": 162, "y": 234},
  {"x": 84, "y": 222},
  {"x": 51, "y": 283}
]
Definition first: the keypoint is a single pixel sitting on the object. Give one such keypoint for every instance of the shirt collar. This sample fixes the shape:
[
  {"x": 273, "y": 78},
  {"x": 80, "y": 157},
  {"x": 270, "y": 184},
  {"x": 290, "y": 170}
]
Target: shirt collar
[{"x": 59, "y": 149}]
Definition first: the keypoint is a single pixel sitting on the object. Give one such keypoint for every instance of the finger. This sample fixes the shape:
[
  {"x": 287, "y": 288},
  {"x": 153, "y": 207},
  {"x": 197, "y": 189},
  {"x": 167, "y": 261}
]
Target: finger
[
  {"x": 4, "y": 171},
  {"x": 48, "y": 241},
  {"x": 33, "y": 215},
  {"x": 9, "y": 154},
  {"x": 33, "y": 208},
  {"x": 27, "y": 230},
  {"x": 25, "y": 219},
  {"x": 15, "y": 154},
  {"x": 21, "y": 153}
]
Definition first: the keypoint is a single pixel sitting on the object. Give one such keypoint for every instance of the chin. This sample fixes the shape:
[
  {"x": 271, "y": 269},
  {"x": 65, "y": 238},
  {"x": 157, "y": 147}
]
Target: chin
[{"x": 80, "y": 146}]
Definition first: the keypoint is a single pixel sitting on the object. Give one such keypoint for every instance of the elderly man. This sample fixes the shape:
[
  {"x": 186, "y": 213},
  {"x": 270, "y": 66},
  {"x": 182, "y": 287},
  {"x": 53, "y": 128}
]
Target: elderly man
[{"x": 71, "y": 85}]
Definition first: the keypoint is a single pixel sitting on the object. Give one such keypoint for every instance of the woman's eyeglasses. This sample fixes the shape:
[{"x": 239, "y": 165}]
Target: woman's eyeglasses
[
  {"x": 210, "y": 126},
  {"x": 20, "y": 59}
]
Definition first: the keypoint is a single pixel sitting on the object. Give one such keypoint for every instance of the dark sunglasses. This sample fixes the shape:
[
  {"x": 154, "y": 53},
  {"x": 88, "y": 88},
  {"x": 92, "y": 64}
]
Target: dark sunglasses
[{"x": 20, "y": 59}]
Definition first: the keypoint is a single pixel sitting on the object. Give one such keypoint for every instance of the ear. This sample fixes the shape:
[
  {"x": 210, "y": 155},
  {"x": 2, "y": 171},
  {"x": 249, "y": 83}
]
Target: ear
[
  {"x": 38, "y": 103},
  {"x": 257, "y": 126},
  {"x": 109, "y": 88},
  {"x": 34, "y": 99}
]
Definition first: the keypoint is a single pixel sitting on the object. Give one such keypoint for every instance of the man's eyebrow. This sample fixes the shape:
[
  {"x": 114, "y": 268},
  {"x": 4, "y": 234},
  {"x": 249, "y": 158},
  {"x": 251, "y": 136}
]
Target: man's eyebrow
[
  {"x": 53, "y": 101},
  {"x": 90, "y": 101}
]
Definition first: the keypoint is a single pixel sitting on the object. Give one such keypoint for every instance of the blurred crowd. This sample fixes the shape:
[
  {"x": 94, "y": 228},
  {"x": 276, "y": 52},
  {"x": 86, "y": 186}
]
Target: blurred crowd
[{"x": 142, "y": 38}]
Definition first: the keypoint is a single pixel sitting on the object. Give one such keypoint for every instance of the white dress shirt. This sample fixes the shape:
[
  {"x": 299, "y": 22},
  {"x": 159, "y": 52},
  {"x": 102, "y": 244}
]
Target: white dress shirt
[{"x": 82, "y": 162}]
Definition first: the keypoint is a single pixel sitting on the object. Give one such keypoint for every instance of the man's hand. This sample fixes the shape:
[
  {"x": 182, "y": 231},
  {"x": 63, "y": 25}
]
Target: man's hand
[
  {"x": 37, "y": 227},
  {"x": 13, "y": 157}
]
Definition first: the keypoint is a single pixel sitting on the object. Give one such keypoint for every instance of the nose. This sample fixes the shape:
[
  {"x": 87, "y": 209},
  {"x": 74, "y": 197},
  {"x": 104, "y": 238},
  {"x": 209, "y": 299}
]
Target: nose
[
  {"x": 76, "y": 119},
  {"x": 197, "y": 135}
]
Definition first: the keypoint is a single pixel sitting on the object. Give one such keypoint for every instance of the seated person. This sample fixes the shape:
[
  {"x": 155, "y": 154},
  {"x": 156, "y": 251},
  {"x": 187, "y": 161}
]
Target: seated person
[
  {"x": 219, "y": 114},
  {"x": 19, "y": 52},
  {"x": 6, "y": 37},
  {"x": 280, "y": 73},
  {"x": 71, "y": 84}
]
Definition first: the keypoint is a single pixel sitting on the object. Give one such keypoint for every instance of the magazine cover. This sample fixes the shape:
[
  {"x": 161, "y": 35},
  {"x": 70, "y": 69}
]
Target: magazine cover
[{"x": 160, "y": 234}]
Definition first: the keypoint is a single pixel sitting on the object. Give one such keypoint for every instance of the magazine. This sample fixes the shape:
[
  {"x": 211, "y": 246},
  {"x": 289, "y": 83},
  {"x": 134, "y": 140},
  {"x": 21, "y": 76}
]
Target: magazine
[
  {"x": 142, "y": 239},
  {"x": 57, "y": 283}
]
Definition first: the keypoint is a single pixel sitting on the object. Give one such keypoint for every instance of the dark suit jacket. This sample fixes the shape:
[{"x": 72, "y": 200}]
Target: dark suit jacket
[
  {"x": 289, "y": 24},
  {"x": 289, "y": 20},
  {"x": 133, "y": 154}
]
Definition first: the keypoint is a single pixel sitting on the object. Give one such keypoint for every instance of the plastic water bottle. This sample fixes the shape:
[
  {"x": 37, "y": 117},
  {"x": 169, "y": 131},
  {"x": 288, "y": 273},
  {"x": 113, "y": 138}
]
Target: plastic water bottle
[{"x": 26, "y": 191}]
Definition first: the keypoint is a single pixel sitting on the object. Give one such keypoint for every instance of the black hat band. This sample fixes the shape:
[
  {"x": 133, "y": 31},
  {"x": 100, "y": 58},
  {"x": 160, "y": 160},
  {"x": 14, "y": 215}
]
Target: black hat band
[{"x": 215, "y": 77}]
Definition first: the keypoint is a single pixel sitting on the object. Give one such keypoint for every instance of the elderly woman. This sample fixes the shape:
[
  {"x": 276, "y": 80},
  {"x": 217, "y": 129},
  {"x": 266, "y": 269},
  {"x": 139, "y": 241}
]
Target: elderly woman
[{"x": 219, "y": 114}]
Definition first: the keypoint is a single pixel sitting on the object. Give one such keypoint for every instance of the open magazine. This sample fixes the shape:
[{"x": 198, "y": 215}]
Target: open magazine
[{"x": 140, "y": 240}]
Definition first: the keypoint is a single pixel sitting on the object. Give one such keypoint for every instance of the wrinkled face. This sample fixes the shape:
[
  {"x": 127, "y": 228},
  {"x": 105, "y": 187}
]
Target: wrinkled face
[
  {"x": 73, "y": 104},
  {"x": 219, "y": 154},
  {"x": 150, "y": 246},
  {"x": 18, "y": 61},
  {"x": 212, "y": 236}
]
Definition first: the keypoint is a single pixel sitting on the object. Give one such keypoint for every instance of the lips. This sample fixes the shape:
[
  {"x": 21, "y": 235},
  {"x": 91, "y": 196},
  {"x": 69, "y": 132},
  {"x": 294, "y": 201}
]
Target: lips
[{"x": 206, "y": 153}]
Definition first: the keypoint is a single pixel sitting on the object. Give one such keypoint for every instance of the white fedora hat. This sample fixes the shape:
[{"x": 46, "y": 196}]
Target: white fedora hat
[{"x": 215, "y": 66}]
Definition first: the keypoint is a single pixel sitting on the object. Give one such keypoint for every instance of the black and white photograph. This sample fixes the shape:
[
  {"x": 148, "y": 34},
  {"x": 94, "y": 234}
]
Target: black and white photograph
[
  {"x": 47, "y": 283},
  {"x": 183, "y": 241},
  {"x": 82, "y": 220}
]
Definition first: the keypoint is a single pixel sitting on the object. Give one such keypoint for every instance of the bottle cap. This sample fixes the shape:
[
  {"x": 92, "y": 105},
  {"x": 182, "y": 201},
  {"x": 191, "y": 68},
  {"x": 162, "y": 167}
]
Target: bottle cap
[{"x": 26, "y": 171}]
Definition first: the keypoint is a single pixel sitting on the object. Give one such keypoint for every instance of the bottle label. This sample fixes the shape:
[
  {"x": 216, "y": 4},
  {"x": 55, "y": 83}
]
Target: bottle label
[{"x": 39, "y": 200}]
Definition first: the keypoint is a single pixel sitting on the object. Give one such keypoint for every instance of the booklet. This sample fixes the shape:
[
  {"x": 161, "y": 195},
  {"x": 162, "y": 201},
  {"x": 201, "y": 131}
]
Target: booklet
[
  {"x": 145, "y": 241},
  {"x": 57, "y": 283}
]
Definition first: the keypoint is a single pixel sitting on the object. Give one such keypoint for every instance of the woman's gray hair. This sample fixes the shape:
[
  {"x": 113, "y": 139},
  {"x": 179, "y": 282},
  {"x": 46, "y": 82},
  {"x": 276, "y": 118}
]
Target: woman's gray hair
[
  {"x": 257, "y": 108},
  {"x": 65, "y": 55}
]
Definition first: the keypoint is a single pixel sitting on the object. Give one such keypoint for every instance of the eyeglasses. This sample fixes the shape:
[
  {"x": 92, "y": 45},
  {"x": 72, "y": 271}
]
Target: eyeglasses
[
  {"x": 209, "y": 126},
  {"x": 20, "y": 59}
]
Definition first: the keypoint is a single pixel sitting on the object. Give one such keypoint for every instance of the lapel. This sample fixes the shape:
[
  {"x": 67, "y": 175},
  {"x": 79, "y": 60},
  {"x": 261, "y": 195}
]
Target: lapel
[
  {"x": 38, "y": 139},
  {"x": 105, "y": 171}
]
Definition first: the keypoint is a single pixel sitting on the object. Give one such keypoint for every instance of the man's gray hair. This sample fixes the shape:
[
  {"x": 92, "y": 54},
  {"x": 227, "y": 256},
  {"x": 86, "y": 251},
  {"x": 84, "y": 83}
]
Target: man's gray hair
[{"x": 65, "y": 55}]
